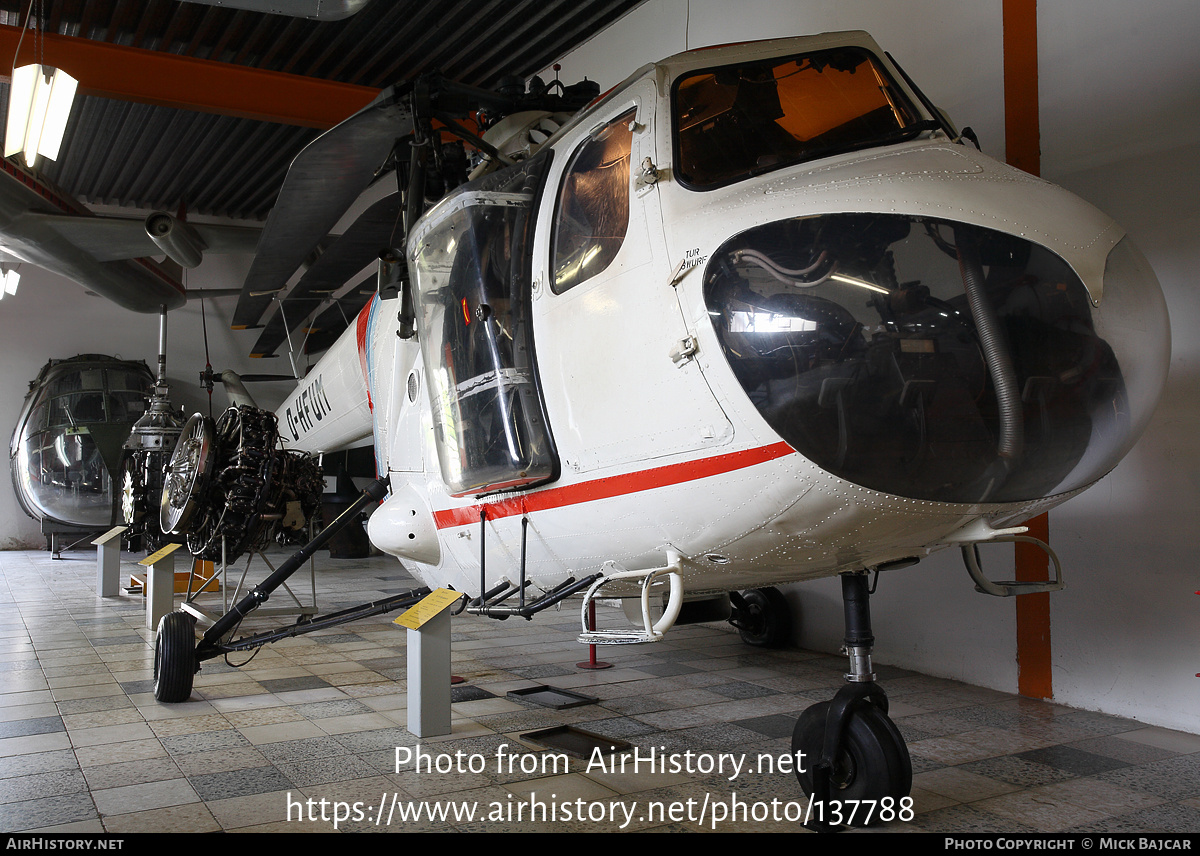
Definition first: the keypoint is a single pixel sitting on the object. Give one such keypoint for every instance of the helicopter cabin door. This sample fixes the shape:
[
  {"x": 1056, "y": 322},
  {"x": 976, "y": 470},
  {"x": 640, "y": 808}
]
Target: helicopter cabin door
[{"x": 608, "y": 326}]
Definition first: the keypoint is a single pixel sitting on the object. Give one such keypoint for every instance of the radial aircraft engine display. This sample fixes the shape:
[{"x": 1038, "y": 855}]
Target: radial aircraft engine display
[
  {"x": 230, "y": 486},
  {"x": 66, "y": 451},
  {"x": 148, "y": 448},
  {"x": 758, "y": 315}
]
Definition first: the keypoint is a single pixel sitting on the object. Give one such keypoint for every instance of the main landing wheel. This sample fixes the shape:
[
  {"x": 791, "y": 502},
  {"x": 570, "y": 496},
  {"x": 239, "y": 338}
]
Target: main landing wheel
[
  {"x": 873, "y": 761},
  {"x": 762, "y": 617},
  {"x": 174, "y": 657}
]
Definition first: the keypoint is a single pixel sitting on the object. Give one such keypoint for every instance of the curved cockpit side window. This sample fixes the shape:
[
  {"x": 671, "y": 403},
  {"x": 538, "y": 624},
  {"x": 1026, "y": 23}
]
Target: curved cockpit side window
[
  {"x": 126, "y": 406},
  {"x": 592, "y": 214},
  {"x": 77, "y": 409},
  {"x": 64, "y": 452},
  {"x": 473, "y": 268},
  {"x": 736, "y": 121}
]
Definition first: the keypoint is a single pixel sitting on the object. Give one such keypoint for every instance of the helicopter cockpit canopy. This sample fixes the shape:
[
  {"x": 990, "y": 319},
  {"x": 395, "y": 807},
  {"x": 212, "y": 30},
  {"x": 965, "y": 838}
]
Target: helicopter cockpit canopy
[
  {"x": 68, "y": 444},
  {"x": 935, "y": 360},
  {"x": 472, "y": 263}
]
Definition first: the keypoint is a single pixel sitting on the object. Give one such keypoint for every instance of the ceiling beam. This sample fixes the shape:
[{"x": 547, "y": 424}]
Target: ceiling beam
[{"x": 169, "y": 80}]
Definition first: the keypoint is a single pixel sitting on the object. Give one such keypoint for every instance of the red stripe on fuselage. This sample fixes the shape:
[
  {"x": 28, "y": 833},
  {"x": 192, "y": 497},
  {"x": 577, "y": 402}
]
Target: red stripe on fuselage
[
  {"x": 611, "y": 486},
  {"x": 362, "y": 325}
]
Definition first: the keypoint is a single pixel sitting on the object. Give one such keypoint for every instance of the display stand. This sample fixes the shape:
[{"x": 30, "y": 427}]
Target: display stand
[
  {"x": 190, "y": 606},
  {"x": 591, "y": 662},
  {"x": 108, "y": 562},
  {"x": 428, "y": 654},
  {"x": 160, "y": 584}
]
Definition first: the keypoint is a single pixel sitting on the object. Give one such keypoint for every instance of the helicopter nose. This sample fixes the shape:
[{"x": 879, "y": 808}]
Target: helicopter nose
[
  {"x": 61, "y": 473},
  {"x": 936, "y": 360}
]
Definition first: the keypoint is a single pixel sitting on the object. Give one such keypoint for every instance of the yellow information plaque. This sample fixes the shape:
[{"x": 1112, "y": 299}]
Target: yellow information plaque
[
  {"x": 161, "y": 554},
  {"x": 429, "y": 607},
  {"x": 109, "y": 535}
]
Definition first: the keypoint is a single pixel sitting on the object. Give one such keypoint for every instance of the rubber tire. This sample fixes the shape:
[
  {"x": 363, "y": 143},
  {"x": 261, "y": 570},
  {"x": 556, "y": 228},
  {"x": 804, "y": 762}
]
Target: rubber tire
[
  {"x": 874, "y": 762},
  {"x": 174, "y": 657},
  {"x": 771, "y": 622}
]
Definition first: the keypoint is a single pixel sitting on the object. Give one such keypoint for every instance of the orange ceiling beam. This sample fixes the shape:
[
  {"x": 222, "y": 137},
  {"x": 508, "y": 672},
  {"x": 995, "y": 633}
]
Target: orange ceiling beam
[{"x": 169, "y": 80}]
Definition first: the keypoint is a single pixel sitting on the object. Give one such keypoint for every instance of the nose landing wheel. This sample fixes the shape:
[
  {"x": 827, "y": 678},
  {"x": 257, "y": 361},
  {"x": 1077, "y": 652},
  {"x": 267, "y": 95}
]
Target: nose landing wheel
[
  {"x": 868, "y": 760},
  {"x": 855, "y": 763}
]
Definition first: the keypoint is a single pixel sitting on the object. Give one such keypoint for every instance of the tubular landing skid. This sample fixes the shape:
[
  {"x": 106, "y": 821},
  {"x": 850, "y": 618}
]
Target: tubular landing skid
[
  {"x": 177, "y": 655},
  {"x": 491, "y": 602}
]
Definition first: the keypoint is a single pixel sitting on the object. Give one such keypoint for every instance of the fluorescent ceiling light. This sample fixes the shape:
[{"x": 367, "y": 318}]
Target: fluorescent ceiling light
[
  {"x": 11, "y": 279},
  {"x": 39, "y": 103}
]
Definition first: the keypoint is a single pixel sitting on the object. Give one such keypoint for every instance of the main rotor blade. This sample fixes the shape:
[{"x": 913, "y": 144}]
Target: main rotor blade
[
  {"x": 376, "y": 229},
  {"x": 322, "y": 183},
  {"x": 333, "y": 321}
]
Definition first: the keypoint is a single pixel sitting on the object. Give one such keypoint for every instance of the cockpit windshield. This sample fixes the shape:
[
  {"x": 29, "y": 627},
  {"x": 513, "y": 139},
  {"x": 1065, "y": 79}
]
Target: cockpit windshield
[
  {"x": 742, "y": 120},
  {"x": 68, "y": 447}
]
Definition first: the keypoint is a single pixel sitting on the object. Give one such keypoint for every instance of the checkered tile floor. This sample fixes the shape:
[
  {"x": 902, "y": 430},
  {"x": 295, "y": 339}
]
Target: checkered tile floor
[{"x": 85, "y": 747}]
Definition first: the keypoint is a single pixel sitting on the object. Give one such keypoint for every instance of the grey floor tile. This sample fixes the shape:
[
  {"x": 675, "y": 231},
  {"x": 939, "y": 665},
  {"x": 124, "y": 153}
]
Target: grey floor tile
[
  {"x": 240, "y": 783},
  {"x": 1072, "y": 760},
  {"x": 50, "y": 811},
  {"x": 42, "y": 785},
  {"x": 43, "y": 762},
  {"x": 264, "y": 732}
]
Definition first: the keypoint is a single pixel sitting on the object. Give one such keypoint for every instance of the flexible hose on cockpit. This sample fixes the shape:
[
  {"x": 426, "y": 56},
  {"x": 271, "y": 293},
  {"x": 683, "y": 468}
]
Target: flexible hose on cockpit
[{"x": 995, "y": 352}]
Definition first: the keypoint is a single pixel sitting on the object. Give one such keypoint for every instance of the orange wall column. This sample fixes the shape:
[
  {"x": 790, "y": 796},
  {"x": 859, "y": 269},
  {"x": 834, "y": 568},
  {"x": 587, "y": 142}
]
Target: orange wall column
[{"x": 1022, "y": 144}]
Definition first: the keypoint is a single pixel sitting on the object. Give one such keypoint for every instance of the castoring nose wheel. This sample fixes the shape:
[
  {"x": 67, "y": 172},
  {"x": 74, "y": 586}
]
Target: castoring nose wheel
[
  {"x": 174, "y": 657},
  {"x": 853, "y": 754},
  {"x": 871, "y": 761}
]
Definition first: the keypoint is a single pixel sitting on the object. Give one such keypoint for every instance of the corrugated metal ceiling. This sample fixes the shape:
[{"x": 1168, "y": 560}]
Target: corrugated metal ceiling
[{"x": 144, "y": 156}]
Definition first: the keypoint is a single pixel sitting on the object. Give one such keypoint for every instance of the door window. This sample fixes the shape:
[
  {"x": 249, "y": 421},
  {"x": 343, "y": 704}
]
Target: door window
[{"x": 592, "y": 216}]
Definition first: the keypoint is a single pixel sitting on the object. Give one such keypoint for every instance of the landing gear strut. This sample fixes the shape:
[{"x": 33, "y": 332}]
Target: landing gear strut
[{"x": 852, "y": 750}]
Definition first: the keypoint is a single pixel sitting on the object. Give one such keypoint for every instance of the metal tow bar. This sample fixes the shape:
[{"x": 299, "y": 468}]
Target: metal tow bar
[{"x": 210, "y": 645}]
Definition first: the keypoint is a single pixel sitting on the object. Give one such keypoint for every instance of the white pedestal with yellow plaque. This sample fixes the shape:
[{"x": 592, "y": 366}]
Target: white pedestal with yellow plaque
[
  {"x": 160, "y": 583},
  {"x": 108, "y": 562},
  {"x": 428, "y": 626}
]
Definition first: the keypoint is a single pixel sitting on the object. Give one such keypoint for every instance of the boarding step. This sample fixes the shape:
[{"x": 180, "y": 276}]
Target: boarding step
[{"x": 647, "y": 579}]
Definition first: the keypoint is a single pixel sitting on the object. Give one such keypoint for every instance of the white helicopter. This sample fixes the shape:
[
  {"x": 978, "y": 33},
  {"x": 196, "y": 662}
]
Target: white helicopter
[{"x": 755, "y": 316}]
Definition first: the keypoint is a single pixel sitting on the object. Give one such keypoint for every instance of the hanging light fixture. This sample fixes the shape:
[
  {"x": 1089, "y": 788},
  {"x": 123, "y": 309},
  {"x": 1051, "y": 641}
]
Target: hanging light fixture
[
  {"x": 39, "y": 103},
  {"x": 8, "y": 281}
]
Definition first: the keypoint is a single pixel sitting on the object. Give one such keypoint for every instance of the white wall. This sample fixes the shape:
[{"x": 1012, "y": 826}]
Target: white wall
[
  {"x": 1121, "y": 127},
  {"x": 1124, "y": 637}
]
